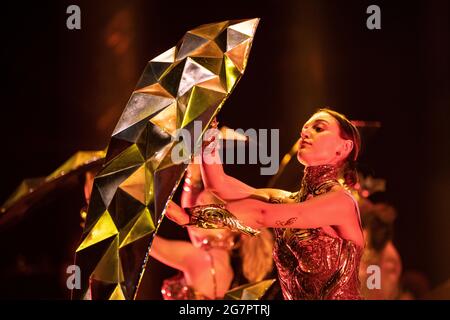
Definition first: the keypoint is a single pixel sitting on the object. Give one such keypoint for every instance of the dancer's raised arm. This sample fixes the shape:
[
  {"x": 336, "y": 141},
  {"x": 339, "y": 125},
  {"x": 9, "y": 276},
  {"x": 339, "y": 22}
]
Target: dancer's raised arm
[
  {"x": 224, "y": 186},
  {"x": 217, "y": 181}
]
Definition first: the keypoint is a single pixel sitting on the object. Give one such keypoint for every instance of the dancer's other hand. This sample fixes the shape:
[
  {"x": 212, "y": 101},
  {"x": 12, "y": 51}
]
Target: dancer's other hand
[{"x": 175, "y": 213}]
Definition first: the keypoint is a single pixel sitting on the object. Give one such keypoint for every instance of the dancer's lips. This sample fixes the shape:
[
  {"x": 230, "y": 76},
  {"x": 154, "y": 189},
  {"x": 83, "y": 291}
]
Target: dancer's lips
[{"x": 304, "y": 144}]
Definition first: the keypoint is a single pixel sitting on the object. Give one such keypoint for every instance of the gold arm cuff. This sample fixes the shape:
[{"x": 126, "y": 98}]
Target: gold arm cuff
[{"x": 216, "y": 216}]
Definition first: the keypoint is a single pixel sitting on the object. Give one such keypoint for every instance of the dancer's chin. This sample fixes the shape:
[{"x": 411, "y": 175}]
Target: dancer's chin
[{"x": 301, "y": 159}]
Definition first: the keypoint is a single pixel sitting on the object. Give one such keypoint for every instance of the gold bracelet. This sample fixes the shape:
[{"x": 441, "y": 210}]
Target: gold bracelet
[{"x": 216, "y": 216}]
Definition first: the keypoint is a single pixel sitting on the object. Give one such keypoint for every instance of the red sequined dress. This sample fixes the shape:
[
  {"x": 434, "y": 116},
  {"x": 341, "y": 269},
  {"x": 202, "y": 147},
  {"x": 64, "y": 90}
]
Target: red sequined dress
[{"x": 313, "y": 265}]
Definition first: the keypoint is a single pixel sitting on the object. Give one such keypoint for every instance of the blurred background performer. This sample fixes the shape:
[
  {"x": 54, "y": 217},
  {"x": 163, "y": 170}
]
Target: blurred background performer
[
  {"x": 216, "y": 260},
  {"x": 377, "y": 221}
]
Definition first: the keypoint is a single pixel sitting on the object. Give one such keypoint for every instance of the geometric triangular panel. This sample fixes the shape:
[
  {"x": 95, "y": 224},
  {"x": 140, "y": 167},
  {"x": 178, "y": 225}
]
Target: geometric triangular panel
[
  {"x": 103, "y": 229},
  {"x": 140, "y": 227},
  {"x": 109, "y": 268},
  {"x": 251, "y": 291}
]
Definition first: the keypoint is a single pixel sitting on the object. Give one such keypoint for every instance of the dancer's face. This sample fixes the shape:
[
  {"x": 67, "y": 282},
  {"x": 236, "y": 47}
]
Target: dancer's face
[{"x": 321, "y": 143}]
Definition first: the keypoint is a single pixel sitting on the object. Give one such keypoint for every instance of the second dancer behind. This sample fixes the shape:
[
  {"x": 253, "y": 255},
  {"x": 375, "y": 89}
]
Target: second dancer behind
[{"x": 213, "y": 261}]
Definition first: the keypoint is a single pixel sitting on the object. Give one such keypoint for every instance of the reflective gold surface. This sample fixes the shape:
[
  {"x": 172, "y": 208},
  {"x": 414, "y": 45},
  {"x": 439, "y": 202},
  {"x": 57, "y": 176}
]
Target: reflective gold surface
[
  {"x": 188, "y": 82},
  {"x": 252, "y": 291},
  {"x": 31, "y": 191}
]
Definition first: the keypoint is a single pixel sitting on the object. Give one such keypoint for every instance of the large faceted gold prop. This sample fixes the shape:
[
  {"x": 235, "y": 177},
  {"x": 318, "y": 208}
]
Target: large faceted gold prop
[{"x": 189, "y": 82}]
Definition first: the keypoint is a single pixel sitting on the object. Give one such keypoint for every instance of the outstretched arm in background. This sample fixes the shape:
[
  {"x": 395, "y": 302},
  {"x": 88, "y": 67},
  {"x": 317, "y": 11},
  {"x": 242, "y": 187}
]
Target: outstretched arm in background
[{"x": 173, "y": 253}]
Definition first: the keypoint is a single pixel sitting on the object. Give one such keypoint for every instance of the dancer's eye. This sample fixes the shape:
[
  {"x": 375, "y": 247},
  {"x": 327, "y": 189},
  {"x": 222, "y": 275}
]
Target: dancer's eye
[{"x": 318, "y": 128}]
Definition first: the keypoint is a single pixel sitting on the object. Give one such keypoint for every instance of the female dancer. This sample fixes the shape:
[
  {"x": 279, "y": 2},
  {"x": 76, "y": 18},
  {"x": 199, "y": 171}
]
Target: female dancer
[{"x": 319, "y": 238}]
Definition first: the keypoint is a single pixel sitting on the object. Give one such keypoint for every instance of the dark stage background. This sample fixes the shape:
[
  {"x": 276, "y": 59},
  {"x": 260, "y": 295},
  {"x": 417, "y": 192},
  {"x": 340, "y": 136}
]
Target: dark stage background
[{"x": 64, "y": 90}]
